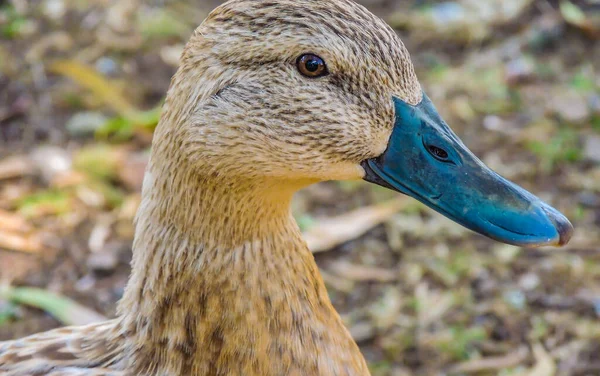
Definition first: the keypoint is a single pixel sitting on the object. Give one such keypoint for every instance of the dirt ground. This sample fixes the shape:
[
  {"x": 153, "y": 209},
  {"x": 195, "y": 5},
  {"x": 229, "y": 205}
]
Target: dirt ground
[{"x": 81, "y": 83}]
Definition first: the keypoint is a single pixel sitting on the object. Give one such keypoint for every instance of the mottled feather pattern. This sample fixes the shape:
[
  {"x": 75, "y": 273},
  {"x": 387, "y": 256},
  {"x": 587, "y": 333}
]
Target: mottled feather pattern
[
  {"x": 64, "y": 351},
  {"x": 222, "y": 282}
]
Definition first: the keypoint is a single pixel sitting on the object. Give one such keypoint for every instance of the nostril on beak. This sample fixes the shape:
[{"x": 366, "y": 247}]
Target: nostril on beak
[
  {"x": 561, "y": 223},
  {"x": 438, "y": 153}
]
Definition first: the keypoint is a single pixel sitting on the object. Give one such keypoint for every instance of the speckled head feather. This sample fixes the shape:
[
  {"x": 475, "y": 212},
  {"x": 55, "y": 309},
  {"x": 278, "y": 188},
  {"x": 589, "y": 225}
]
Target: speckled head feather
[
  {"x": 222, "y": 283},
  {"x": 247, "y": 100}
]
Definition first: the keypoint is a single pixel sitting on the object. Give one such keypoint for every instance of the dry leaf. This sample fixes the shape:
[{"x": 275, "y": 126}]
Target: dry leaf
[
  {"x": 492, "y": 363},
  {"x": 337, "y": 283},
  {"x": 96, "y": 83},
  {"x": 18, "y": 242},
  {"x": 21, "y": 265},
  {"x": 545, "y": 364},
  {"x": 15, "y": 167},
  {"x": 10, "y": 221},
  {"x": 432, "y": 304},
  {"x": 576, "y": 16},
  {"x": 331, "y": 232},
  {"x": 362, "y": 331},
  {"x": 362, "y": 273}
]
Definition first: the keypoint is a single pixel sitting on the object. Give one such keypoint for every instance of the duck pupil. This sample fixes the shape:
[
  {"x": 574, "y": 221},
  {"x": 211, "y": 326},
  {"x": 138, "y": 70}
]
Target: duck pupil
[{"x": 312, "y": 65}]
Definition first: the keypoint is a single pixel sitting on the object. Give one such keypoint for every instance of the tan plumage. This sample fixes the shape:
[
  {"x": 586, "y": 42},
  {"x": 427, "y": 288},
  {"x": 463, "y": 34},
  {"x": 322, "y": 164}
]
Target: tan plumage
[{"x": 222, "y": 283}]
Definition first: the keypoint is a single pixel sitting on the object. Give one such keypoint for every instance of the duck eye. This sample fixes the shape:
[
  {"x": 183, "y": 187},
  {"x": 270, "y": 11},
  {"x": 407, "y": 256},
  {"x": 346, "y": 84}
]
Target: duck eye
[{"x": 311, "y": 66}]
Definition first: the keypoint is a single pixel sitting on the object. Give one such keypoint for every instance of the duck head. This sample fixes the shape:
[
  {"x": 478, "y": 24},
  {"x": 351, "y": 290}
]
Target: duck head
[{"x": 299, "y": 91}]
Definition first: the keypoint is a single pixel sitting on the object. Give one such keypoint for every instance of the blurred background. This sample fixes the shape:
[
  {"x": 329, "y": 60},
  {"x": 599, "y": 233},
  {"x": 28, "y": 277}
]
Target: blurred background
[{"x": 81, "y": 84}]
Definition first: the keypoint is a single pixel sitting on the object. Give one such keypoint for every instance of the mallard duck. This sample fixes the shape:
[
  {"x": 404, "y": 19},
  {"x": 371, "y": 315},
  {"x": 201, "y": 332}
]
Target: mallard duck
[{"x": 272, "y": 96}]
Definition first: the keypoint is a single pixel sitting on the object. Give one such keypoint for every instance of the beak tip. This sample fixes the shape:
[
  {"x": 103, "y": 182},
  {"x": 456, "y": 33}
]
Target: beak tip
[
  {"x": 565, "y": 231},
  {"x": 563, "y": 226}
]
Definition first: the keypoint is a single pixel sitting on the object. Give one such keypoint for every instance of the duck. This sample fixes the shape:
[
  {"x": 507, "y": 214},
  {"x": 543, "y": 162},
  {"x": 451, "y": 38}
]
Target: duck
[{"x": 272, "y": 96}]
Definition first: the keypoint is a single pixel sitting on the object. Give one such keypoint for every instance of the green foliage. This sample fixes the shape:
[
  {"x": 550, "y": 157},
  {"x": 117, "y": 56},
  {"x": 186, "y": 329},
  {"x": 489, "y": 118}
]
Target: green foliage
[
  {"x": 99, "y": 161},
  {"x": 62, "y": 308},
  {"x": 539, "y": 329},
  {"x": 451, "y": 271},
  {"x": 439, "y": 72},
  {"x": 515, "y": 371},
  {"x": 122, "y": 128},
  {"x": 163, "y": 24},
  {"x": 8, "y": 312},
  {"x": 495, "y": 97},
  {"x": 56, "y": 202},
  {"x": 380, "y": 194},
  {"x": 350, "y": 186},
  {"x": 596, "y": 122},
  {"x": 112, "y": 195},
  {"x": 459, "y": 341},
  {"x": 116, "y": 129},
  {"x": 305, "y": 221},
  {"x": 380, "y": 368},
  {"x": 74, "y": 101},
  {"x": 544, "y": 70},
  {"x": 13, "y": 24},
  {"x": 562, "y": 148},
  {"x": 579, "y": 213},
  {"x": 53, "y": 304},
  {"x": 583, "y": 83}
]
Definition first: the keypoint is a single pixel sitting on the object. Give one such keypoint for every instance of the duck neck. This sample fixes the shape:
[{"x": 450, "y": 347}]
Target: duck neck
[
  {"x": 220, "y": 271},
  {"x": 197, "y": 232}
]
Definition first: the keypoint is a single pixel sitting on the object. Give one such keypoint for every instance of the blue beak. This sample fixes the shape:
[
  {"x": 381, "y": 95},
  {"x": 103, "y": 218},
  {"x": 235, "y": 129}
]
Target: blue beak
[{"x": 426, "y": 160}]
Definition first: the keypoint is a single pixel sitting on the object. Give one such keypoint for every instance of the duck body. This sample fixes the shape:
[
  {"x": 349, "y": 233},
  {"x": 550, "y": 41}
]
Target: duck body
[
  {"x": 272, "y": 96},
  {"x": 238, "y": 320}
]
